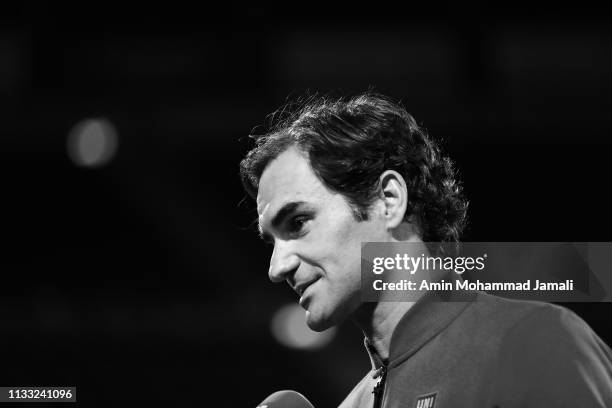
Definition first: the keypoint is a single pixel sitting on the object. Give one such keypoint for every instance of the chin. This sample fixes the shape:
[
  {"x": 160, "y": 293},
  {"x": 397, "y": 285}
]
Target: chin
[
  {"x": 318, "y": 323},
  {"x": 330, "y": 314}
]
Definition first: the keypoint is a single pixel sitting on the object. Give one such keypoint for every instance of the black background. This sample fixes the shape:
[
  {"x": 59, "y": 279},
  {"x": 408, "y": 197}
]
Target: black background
[{"x": 143, "y": 281}]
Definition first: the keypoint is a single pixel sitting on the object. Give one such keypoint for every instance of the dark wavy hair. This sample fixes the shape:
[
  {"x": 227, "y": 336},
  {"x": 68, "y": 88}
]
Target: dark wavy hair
[{"x": 350, "y": 142}]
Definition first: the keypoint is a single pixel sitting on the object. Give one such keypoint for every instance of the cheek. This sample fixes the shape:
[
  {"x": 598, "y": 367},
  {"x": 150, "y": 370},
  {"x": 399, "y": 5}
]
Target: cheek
[
  {"x": 344, "y": 239},
  {"x": 344, "y": 251},
  {"x": 340, "y": 240}
]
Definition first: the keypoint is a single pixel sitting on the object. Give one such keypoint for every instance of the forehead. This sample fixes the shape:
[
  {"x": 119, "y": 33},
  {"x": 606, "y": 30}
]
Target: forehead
[{"x": 288, "y": 178}]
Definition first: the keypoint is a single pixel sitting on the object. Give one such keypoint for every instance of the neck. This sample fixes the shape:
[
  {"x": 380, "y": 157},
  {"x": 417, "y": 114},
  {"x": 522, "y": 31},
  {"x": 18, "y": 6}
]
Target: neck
[{"x": 378, "y": 320}]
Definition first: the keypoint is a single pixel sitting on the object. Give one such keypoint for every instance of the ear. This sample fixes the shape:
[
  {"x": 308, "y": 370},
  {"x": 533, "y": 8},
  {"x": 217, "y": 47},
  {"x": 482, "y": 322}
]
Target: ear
[{"x": 394, "y": 196}]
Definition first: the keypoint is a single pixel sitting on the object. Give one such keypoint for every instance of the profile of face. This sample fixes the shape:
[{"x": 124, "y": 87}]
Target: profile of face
[{"x": 317, "y": 240}]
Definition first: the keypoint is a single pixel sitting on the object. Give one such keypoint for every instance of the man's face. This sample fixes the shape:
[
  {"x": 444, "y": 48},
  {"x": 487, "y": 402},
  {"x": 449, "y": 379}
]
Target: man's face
[{"x": 317, "y": 240}]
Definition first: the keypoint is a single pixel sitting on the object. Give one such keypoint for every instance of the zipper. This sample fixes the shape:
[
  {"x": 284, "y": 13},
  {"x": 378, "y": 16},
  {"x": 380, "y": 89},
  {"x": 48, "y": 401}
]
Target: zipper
[{"x": 379, "y": 388}]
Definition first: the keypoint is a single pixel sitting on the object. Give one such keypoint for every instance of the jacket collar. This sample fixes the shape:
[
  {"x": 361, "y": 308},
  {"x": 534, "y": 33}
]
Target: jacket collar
[{"x": 429, "y": 316}]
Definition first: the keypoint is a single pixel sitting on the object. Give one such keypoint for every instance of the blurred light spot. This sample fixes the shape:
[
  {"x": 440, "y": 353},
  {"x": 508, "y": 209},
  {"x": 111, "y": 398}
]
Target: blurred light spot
[
  {"x": 290, "y": 329},
  {"x": 92, "y": 142}
]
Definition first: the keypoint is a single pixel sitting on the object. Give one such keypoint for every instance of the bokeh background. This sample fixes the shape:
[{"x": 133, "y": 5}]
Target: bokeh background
[{"x": 130, "y": 263}]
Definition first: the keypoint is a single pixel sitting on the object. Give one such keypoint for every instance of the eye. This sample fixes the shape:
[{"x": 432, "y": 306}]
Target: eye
[{"x": 297, "y": 223}]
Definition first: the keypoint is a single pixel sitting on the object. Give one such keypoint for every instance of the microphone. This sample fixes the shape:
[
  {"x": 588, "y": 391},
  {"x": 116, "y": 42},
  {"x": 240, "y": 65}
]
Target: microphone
[{"x": 285, "y": 399}]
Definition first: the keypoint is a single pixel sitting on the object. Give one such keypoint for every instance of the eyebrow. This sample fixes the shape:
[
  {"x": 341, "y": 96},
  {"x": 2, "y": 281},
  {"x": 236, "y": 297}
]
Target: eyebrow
[{"x": 278, "y": 218}]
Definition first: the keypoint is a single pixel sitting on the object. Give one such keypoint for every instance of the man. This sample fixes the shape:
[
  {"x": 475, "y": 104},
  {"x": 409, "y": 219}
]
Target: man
[{"x": 341, "y": 172}]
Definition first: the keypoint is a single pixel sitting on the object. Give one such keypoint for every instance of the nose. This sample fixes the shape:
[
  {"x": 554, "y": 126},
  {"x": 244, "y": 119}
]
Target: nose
[{"x": 283, "y": 262}]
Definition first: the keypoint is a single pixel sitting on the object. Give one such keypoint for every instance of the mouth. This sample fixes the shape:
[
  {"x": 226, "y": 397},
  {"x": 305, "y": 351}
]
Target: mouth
[{"x": 301, "y": 288}]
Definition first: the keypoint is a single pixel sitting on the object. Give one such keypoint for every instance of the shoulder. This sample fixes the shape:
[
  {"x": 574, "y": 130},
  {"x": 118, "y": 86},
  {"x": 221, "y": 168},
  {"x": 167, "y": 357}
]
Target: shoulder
[
  {"x": 540, "y": 329},
  {"x": 550, "y": 355},
  {"x": 540, "y": 324},
  {"x": 517, "y": 316},
  {"x": 498, "y": 318}
]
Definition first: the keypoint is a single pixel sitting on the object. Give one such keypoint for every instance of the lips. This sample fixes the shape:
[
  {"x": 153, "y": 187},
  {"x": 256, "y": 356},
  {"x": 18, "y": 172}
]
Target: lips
[{"x": 301, "y": 288}]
